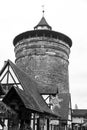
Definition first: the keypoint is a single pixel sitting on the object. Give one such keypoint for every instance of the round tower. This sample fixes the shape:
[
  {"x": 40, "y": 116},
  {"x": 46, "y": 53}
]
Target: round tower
[{"x": 43, "y": 54}]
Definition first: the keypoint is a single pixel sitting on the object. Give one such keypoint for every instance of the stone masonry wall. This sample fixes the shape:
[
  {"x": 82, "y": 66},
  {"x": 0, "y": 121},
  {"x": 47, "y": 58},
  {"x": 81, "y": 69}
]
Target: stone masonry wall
[{"x": 45, "y": 60}]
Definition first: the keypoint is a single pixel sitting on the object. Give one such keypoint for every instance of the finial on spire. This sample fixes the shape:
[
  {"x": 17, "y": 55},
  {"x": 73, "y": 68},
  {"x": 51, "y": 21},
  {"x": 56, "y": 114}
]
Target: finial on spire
[{"x": 43, "y": 10}]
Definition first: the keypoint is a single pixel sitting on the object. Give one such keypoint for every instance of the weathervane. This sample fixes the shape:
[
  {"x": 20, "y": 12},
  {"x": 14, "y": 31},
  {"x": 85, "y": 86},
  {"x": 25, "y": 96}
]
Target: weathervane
[{"x": 43, "y": 10}]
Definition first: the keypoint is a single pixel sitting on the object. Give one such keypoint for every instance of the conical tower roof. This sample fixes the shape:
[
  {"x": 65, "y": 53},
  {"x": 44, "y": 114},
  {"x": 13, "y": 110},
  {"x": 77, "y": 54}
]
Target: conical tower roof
[{"x": 43, "y": 24}]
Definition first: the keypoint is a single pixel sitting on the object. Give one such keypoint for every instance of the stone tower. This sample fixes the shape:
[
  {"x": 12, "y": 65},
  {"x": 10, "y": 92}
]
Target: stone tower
[{"x": 43, "y": 54}]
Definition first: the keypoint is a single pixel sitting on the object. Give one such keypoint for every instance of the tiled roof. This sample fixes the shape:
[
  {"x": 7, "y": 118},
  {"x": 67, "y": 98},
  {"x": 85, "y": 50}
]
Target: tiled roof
[
  {"x": 63, "y": 109},
  {"x": 42, "y": 23},
  {"x": 41, "y": 33},
  {"x": 28, "y": 101},
  {"x": 47, "y": 89},
  {"x": 1, "y": 90},
  {"x": 30, "y": 88},
  {"x": 5, "y": 110},
  {"x": 79, "y": 112}
]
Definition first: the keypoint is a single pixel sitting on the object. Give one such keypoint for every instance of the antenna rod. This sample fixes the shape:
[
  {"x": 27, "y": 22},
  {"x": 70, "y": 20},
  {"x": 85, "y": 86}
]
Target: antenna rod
[{"x": 43, "y": 10}]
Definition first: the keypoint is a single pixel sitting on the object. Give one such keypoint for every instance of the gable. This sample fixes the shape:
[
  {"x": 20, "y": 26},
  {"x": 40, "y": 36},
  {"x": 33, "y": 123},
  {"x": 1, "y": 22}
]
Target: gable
[
  {"x": 8, "y": 78},
  {"x": 17, "y": 97},
  {"x": 21, "y": 81}
]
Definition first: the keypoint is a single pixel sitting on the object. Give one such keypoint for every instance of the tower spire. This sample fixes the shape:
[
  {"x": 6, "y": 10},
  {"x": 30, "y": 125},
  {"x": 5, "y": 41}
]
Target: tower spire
[
  {"x": 43, "y": 10},
  {"x": 43, "y": 23}
]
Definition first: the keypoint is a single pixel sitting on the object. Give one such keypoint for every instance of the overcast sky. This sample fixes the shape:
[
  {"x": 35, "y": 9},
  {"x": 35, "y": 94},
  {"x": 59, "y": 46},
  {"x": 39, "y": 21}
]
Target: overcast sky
[{"x": 65, "y": 16}]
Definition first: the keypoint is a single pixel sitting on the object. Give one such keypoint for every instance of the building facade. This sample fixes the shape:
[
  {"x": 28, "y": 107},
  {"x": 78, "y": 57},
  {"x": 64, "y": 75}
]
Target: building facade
[
  {"x": 40, "y": 71},
  {"x": 43, "y": 54},
  {"x": 79, "y": 119}
]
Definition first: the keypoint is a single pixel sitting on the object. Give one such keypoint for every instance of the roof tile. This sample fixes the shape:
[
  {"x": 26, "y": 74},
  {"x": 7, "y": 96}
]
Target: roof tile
[{"x": 30, "y": 88}]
